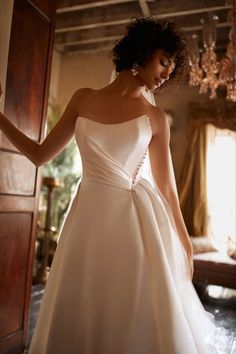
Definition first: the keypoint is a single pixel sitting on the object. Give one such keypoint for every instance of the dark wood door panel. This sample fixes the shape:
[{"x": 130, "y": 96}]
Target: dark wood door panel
[
  {"x": 29, "y": 65},
  {"x": 47, "y": 7},
  {"x": 11, "y": 344},
  {"x": 18, "y": 174},
  {"x": 27, "y": 68},
  {"x": 13, "y": 203},
  {"x": 15, "y": 231}
]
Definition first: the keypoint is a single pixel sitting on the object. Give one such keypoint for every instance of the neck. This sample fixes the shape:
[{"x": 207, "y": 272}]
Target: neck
[{"x": 126, "y": 84}]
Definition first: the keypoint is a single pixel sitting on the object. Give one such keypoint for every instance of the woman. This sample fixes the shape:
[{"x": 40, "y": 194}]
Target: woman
[{"x": 121, "y": 277}]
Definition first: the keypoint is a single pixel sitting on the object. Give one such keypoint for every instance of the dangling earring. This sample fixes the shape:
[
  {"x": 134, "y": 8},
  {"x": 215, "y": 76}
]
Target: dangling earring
[{"x": 134, "y": 70}]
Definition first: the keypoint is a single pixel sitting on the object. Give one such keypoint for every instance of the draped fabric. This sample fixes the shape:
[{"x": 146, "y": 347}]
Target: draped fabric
[
  {"x": 192, "y": 182},
  {"x": 119, "y": 282},
  {"x": 220, "y": 113},
  {"x": 146, "y": 171}
]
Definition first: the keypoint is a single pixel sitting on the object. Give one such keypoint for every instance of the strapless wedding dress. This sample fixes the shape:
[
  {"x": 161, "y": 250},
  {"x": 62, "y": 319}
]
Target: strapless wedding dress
[{"x": 119, "y": 281}]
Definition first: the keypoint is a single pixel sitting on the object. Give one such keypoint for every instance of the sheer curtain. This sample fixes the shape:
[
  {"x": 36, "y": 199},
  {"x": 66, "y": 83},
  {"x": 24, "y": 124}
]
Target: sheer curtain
[
  {"x": 192, "y": 184},
  {"x": 220, "y": 179}
]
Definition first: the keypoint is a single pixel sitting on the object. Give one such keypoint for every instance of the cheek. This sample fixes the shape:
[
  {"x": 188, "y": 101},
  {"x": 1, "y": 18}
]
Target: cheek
[
  {"x": 159, "y": 67},
  {"x": 152, "y": 70},
  {"x": 155, "y": 69}
]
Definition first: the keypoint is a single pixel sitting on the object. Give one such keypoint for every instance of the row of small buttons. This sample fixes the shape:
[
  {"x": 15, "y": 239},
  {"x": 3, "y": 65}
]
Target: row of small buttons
[
  {"x": 142, "y": 160},
  {"x": 138, "y": 168}
]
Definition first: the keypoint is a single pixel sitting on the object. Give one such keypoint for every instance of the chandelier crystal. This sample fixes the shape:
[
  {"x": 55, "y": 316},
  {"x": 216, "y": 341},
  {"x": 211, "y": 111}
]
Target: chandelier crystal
[{"x": 205, "y": 70}]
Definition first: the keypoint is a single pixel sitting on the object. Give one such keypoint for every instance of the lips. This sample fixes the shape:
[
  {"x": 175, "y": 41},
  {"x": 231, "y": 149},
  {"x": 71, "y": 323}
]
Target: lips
[{"x": 159, "y": 82}]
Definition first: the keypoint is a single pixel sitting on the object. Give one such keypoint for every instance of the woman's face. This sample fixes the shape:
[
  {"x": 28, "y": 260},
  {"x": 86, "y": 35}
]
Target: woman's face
[{"x": 157, "y": 69}]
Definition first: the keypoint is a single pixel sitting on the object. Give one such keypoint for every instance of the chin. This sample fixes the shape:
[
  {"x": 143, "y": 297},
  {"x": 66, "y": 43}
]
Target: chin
[
  {"x": 151, "y": 87},
  {"x": 150, "y": 84}
]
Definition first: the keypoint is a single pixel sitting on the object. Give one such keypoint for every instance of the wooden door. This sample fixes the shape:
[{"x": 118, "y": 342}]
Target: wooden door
[{"x": 27, "y": 85}]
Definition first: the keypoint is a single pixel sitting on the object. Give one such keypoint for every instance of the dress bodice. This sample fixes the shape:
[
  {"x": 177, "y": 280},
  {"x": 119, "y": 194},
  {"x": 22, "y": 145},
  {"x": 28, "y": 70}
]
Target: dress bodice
[{"x": 113, "y": 153}]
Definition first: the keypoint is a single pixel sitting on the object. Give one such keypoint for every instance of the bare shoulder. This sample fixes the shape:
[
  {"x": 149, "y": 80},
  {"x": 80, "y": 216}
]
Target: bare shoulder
[
  {"x": 82, "y": 93},
  {"x": 79, "y": 97},
  {"x": 159, "y": 121}
]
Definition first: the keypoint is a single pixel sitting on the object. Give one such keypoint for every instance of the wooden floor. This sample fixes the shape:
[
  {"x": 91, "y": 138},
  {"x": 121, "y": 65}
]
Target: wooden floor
[{"x": 221, "y": 302}]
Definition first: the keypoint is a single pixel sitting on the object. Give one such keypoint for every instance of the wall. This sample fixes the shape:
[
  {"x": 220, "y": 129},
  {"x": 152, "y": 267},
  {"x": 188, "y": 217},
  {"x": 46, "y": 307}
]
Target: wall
[
  {"x": 84, "y": 70},
  {"x": 177, "y": 101},
  {"x": 55, "y": 75}
]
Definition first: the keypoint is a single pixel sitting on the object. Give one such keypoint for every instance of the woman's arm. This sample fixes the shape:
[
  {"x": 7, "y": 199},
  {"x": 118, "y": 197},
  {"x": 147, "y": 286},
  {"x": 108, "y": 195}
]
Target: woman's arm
[
  {"x": 54, "y": 142},
  {"x": 161, "y": 163}
]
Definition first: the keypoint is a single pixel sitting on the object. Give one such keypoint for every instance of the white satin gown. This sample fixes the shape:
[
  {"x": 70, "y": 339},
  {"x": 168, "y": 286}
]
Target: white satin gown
[{"x": 119, "y": 281}]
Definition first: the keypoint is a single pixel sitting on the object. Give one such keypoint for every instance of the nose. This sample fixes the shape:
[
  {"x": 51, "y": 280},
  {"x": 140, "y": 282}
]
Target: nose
[{"x": 165, "y": 74}]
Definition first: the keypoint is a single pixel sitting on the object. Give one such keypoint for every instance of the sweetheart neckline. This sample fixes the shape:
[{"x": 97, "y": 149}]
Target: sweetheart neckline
[{"x": 120, "y": 123}]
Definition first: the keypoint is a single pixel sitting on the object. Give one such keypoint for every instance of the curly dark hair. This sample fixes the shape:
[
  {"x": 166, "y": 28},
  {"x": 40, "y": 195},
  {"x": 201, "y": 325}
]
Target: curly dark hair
[{"x": 144, "y": 36}]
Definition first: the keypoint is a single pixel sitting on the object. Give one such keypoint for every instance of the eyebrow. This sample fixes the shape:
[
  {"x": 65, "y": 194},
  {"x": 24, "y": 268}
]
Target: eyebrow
[{"x": 168, "y": 58}]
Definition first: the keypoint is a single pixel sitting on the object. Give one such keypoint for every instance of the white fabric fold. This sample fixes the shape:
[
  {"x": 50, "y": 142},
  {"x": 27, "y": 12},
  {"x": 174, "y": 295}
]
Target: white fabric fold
[{"x": 119, "y": 280}]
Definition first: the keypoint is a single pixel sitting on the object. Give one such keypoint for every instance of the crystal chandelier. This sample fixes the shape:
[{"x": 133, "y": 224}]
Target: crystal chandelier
[{"x": 205, "y": 70}]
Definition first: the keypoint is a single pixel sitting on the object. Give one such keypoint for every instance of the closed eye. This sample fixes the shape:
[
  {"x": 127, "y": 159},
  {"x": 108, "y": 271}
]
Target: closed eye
[{"x": 164, "y": 64}]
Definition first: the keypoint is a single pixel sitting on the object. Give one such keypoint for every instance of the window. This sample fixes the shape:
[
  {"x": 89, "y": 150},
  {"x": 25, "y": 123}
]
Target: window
[{"x": 221, "y": 180}]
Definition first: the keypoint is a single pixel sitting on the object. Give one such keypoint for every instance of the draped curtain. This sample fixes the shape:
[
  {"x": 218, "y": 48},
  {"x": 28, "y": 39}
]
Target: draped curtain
[{"x": 192, "y": 182}]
